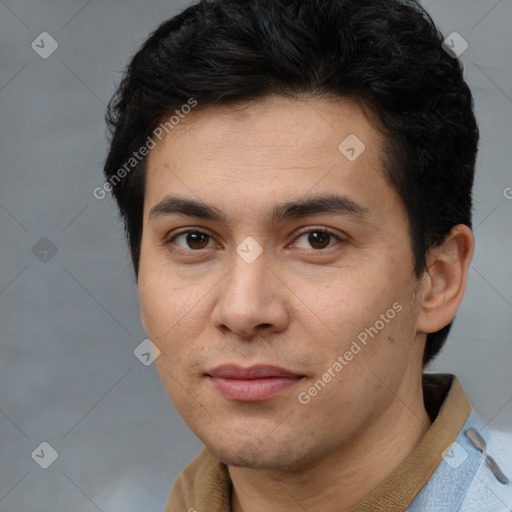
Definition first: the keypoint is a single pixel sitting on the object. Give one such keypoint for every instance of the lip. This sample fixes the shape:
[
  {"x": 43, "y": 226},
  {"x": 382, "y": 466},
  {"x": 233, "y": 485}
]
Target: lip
[
  {"x": 254, "y": 384},
  {"x": 259, "y": 371}
]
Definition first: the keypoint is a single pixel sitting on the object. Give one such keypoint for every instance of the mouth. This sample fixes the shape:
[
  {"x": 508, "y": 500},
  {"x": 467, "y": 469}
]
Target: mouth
[{"x": 253, "y": 384}]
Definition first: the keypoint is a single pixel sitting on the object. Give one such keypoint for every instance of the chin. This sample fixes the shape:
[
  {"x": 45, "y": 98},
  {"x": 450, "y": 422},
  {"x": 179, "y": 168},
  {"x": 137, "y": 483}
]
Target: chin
[
  {"x": 249, "y": 455},
  {"x": 241, "y": 454}
]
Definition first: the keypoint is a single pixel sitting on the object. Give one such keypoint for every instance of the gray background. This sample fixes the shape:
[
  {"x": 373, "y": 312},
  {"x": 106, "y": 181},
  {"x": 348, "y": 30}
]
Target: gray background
[{"x": 69, "y": 325}]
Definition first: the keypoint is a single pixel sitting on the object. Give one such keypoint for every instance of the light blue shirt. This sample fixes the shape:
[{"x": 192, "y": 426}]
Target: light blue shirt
[{"x": 475, "y": 474}]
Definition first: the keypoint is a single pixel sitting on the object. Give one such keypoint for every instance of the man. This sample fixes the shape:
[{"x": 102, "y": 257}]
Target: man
[{"x": 295, "y": 178}]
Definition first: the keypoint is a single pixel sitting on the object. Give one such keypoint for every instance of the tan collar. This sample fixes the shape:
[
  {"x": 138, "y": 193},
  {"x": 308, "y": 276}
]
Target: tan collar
[
  {"x": 204, "y": 484},
  {"x": 399, "y": 490}
]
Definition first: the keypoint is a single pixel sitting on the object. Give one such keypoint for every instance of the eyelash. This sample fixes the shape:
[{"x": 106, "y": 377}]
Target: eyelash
[{"x": 324, "y": 231}]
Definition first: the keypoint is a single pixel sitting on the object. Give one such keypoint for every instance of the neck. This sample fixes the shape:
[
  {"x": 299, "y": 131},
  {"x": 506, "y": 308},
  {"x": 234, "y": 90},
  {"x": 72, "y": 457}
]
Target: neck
[{"x": 338, "y": 481}]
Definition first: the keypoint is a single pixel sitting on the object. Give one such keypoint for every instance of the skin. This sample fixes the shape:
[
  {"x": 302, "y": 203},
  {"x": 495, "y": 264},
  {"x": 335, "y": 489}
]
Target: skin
[{"x": 300, "y": 304}]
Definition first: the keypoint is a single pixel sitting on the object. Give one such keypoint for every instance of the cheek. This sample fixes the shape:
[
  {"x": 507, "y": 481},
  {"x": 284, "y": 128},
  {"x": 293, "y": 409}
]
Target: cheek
[
  {"x": 160, "y": 298},
  {"x": 172, "y": 317},
  {"x": 352, "y": 302},
  {"x": 375, "y": 312},
  {"x": 161, "y": 310},
  {"x": 152, "y": 303}
]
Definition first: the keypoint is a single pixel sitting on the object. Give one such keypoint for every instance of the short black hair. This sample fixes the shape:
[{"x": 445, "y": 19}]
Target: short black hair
[{"x": 386, "y": 53}]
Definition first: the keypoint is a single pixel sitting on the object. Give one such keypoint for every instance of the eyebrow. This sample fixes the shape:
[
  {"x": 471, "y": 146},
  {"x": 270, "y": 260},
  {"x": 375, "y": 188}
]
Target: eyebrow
[{"x": 326, "y": 203}]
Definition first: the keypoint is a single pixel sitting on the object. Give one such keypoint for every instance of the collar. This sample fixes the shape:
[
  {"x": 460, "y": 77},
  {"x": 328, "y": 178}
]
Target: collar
[
  {"x": 204, "y": 484},
  {"x": 399, "y": 490}
]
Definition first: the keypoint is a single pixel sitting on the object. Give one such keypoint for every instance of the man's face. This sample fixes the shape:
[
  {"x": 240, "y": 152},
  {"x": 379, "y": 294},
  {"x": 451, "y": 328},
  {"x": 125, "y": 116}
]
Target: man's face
[{"x": 251, "y": 289}]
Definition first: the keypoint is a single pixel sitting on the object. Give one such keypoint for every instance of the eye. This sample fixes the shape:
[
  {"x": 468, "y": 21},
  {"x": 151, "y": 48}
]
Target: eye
[
  {"x": 319, "y": 238},
  {"x": 195, "y": 240}
]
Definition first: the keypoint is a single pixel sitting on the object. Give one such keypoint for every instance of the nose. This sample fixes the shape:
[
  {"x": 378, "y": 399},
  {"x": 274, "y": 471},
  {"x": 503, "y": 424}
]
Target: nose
[{"x": 253, "y": 299}]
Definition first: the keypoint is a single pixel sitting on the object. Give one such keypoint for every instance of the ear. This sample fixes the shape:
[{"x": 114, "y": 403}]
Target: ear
[{"x": 444, "y": 281}]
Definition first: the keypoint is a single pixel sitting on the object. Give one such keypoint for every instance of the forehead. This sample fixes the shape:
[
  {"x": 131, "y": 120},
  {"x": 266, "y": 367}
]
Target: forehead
[
  {"x": 255, "y": 151},
  {"x": 274, "y": 122}
]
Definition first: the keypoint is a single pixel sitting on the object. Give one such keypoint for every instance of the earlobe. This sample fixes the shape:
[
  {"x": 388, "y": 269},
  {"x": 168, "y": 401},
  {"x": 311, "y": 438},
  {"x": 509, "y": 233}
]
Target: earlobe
[{"x": 445, "y": 279}]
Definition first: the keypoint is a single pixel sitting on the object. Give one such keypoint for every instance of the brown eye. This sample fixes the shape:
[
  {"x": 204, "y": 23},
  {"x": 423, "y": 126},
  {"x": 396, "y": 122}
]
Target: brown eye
[
  {"x": 318, "y": 239},
  {"x": 195, "y": 240}
]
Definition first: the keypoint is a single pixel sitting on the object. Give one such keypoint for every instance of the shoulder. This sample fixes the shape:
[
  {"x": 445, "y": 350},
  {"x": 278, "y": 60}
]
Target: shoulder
[
  {"x": 491, "y": 487},
  {"x": 475, "y": 473}
]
